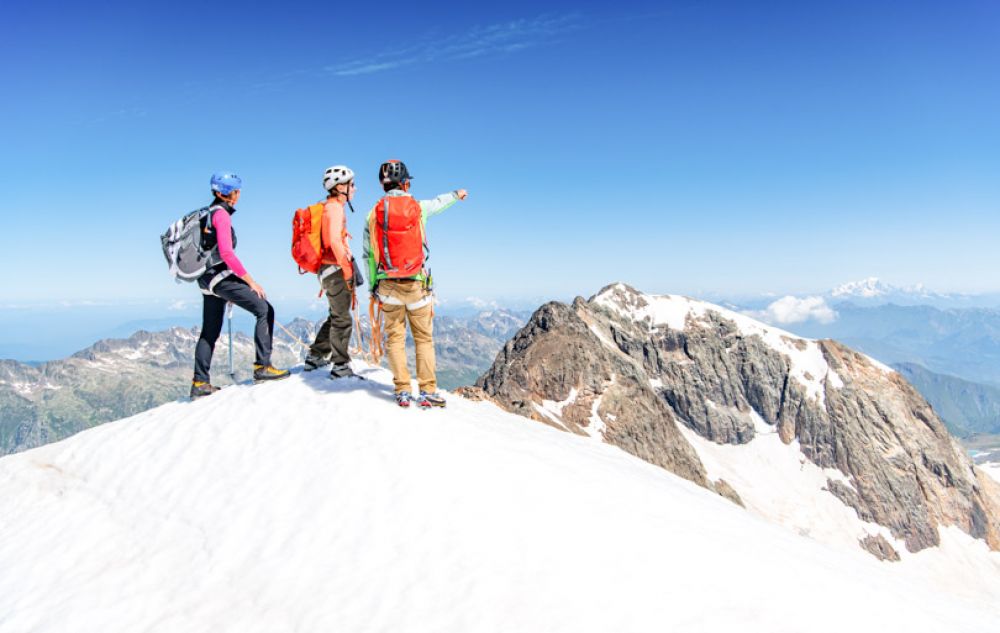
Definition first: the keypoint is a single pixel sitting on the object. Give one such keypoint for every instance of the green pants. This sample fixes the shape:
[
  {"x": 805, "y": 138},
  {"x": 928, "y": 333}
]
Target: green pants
[{"x": 334, "y": 335}]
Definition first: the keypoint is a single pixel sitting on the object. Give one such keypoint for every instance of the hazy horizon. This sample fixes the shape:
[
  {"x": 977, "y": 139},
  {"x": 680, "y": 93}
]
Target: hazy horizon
[{"x": 37, "y": 332}]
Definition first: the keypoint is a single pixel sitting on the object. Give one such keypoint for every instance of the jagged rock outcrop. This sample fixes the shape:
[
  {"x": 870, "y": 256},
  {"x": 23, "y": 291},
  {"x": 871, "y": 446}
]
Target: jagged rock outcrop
[
  {"x": 629, "y": 367},
  {"x": 555, "y": 355},
  {"x": 879, "y": 547}
]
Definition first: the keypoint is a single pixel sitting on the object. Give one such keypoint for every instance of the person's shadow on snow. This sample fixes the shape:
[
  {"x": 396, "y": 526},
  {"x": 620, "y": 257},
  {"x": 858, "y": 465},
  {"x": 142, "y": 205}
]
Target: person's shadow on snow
[{"x": 363, "y": 380}]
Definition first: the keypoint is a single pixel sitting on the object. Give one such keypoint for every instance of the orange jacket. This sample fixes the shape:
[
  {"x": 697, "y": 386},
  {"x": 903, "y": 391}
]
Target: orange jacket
[{"x": 336, "y": 248}]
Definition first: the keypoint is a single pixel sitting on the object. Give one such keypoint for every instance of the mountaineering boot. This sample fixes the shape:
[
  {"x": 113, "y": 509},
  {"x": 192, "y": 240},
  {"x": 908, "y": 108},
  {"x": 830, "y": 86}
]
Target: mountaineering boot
[
  {"x": 342, "y": 370},
  {"x": 315, "y": 362},
  {"x": 201, "y": 389},
  {"x": 268, "y": 372},
  {"x": 403, "y": 399},
  {"x": 428, "y": 400}
]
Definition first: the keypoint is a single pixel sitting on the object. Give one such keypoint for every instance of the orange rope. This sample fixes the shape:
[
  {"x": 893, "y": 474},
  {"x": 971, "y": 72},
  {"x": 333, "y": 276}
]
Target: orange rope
[
  {"x": 359, "y": 340},
  {"x": 358, "y": 336},
  {"x": 292, "y": 336},
  {"x": 375, "y": 319}
]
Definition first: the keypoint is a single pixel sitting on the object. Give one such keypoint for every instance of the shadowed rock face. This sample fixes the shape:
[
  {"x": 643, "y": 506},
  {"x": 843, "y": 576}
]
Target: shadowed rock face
[
  {"x": 610, "y": 368},
  {"x": 908, "y": 473}
]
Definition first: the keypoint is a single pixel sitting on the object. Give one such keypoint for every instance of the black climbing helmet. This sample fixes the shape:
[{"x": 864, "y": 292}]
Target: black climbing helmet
[{"x": 393, "y": 172}]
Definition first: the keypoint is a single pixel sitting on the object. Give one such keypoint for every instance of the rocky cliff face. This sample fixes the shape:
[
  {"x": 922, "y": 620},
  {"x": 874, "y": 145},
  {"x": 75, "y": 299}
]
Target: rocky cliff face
[
  {"x": 557, "y": 357},
  {"x": 628, "y": 368}
]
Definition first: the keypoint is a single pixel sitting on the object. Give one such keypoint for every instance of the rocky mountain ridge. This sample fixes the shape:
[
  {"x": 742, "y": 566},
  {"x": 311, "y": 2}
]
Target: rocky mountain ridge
[{"x": 633, "y": 370}]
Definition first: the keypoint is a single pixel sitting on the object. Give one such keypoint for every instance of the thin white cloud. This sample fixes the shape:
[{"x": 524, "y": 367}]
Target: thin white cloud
[
  {"x": 475, "y": 42},
  {"x": 180, "y": 305},
  {"x": 85, "y": 303},
  {"x": 365, "y": 69},
  {"x": 791, "y": 309}
]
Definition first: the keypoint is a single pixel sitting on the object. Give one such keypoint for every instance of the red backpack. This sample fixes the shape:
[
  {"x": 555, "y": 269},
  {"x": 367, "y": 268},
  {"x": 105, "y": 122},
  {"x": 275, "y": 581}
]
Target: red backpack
[
  {"x": 397, "y": 238},
  {"x": 307, "y": 242}
]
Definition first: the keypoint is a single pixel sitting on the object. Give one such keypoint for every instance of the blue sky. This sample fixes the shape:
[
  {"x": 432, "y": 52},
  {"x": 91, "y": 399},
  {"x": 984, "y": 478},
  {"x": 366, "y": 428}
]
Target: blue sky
[{"x": 692, "y": 147}]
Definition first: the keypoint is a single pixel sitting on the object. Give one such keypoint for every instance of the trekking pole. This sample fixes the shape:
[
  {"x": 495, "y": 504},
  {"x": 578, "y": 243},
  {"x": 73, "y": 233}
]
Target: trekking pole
[{"x": 229, "y": 315}]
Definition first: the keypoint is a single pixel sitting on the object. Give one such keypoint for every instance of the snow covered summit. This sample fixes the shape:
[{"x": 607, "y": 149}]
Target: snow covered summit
[
  {"x": 866, "y": 288},
  {"x": 874, "y": 290},
  {"x": 312, "y": 505}
]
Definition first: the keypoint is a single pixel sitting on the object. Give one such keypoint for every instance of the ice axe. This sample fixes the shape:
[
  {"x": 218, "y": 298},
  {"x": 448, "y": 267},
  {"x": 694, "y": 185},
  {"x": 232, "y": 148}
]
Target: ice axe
[{"x": 229, "y": 316}]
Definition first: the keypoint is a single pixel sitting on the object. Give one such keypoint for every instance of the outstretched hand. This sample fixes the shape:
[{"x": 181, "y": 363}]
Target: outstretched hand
[{"x": 461, "y": 193}]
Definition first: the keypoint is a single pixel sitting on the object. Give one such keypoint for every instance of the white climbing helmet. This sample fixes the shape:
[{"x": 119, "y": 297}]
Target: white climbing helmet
[{"x": 336, "y": 175}]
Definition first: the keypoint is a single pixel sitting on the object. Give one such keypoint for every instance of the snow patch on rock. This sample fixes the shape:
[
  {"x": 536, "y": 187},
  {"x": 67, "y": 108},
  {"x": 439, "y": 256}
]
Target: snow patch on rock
[
  {"x": 556, "y": 408},
  {"x": 595, "y": 428}
]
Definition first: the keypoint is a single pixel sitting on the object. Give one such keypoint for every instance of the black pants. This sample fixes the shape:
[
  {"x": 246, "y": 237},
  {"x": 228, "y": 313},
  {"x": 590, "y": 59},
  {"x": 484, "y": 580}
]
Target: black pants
[{"x": 213, "y": 314}]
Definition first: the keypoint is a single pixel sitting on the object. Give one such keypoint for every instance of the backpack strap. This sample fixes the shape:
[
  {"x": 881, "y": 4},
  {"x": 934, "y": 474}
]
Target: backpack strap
[
  {"x": 385, "y": 235},
  {"x": 423, "y": 238},
  {"x": 209, "y": 212}
]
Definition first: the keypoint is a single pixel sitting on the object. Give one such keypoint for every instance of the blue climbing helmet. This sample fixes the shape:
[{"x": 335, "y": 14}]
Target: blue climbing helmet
[{"x": 225, "y": 182}]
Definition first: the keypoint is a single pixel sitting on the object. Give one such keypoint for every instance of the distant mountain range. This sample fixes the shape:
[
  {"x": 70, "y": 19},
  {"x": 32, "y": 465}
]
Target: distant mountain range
[
  {"x": 870, "y": 292},
  {"x": 873, "y": 291},
  {"x": 874, "y": 288},
  {"x": 115, "y": 378},
  {"x": 958, "y": 342},
  {"x": 968, "y": 408}
]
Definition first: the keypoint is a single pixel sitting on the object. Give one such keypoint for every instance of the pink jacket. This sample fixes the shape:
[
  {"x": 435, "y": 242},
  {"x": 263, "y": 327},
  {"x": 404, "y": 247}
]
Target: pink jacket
[{"x": 224, "y": 237}]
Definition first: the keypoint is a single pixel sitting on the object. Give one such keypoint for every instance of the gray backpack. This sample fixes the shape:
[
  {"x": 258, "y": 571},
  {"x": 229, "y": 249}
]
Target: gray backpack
[{"x": 182, "y": 246}]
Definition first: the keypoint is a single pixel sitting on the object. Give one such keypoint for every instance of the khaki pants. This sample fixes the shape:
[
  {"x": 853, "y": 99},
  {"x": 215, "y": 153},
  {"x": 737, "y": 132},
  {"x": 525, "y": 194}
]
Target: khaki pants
[{"x": 408, "y": 292}]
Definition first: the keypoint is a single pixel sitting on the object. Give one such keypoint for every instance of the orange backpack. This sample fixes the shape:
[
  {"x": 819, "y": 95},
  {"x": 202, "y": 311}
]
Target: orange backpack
[
  {"x": 307, "y": 242},
  {"x": 397, "y": 238}
]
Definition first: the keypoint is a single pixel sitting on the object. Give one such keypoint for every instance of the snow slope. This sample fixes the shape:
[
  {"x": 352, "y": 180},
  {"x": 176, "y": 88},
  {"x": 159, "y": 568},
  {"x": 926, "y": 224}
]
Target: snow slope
[
  {"x": 310, "y": 505},
  {"x": 777, "y": 483}
]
